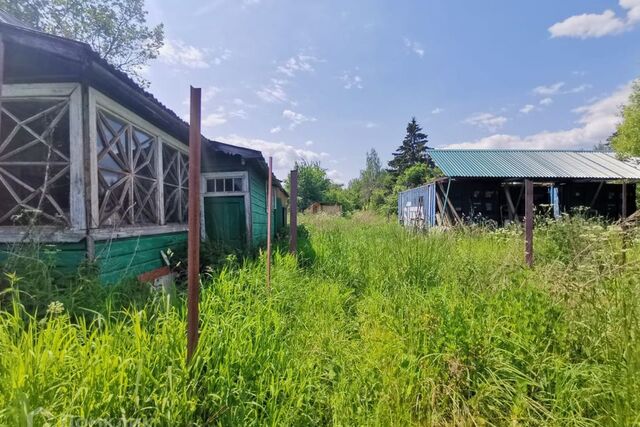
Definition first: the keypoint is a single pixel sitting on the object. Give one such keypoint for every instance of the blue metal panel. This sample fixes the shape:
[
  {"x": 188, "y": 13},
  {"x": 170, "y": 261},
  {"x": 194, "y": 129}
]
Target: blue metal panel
[
  {"x": 532, "y": 164},
  {"x": 554, "y": 200},
  {"x": 417, "y": 207}
]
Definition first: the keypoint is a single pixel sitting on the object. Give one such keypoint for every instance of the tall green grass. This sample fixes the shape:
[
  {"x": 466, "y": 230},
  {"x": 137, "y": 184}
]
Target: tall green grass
[{"x": 370, "y": 325}]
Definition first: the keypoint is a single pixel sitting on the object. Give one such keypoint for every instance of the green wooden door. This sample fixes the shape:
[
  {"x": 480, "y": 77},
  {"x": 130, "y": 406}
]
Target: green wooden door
[{"x": 224, "y": 220}]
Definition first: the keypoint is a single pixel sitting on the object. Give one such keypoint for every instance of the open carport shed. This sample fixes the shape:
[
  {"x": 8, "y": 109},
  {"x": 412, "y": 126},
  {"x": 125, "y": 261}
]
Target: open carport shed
[{"x": 489, "y": 185}]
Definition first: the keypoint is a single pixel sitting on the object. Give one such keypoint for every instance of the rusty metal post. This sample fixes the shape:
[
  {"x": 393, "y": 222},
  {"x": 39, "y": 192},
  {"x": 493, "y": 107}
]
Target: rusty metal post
[
  {"x": 293, "y": 223},
  {"x": 269, "y": 208},
  {"x": 193, "y": 261},
  {"x": 528, "y": 222}
]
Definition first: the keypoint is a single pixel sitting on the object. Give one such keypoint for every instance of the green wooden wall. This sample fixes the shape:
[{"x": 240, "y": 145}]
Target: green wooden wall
[
  {"x": 258, "y": 192},
  {"x": 65, "y": 257},
  {"x": 124, "y": 258},
  {"x": 117, "y": 259}
]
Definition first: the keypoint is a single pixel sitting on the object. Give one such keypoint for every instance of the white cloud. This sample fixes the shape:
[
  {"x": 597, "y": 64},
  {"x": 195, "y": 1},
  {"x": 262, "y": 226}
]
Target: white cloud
[
  {"x": 213, "y": 120},
  {"x": 414, "y": 47},
  {"x": 488, "y": 121},
  {"x": 336, "y": 176},
  {"x": 548, "y": 90},
  {"x": 546, "y": 101},
  {"x": 223, "y": 56},
  {"x": 284, "y": 155},
  {"x": 598, "y": 24},
  {"x": 437, "y": 110},
  {"x": 351, "y": 80},
  {"x": 209, "y": 93},
  {"x": 176, "y": 52},
  {"x": 296, "y": 119},
  {"x": 527, "y": 109},
  {"x": 597, "y": 121},
  {"x": 580, "y": 88},
  {"x": 274, "y": 92},
  {"x": 298, "y": 63},
  {"x": 308, "y": 143},
  {"x": 239, "y": 113},
  {"x": 276, "y": 129},
  {"x": 370, "y": 125}
]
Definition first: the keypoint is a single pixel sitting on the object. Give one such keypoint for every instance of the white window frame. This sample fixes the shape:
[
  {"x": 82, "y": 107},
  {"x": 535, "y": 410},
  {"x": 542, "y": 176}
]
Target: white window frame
[
  {"x": 77, "y": 212},
  {"x": 98, "y": 100},
  {"x": 245, "y": 193}
]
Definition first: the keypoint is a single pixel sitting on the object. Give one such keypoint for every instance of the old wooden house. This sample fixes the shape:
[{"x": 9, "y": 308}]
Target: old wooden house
[
  {"x": 93, "y": 166},
  {"x": 487, "y": 186}
]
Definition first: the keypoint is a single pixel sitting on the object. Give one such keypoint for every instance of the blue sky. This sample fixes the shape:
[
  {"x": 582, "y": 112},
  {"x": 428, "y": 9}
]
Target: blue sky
[{"x": 328, "y": 80}]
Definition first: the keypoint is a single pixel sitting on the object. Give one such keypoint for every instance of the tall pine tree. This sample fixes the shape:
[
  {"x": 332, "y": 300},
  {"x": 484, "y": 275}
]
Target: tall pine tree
[{"x": 412, "y": 151}]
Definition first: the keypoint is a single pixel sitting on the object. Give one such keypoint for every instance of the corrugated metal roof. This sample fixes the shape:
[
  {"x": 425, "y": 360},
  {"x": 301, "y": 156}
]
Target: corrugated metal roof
[{"x": 532, "y": 164}]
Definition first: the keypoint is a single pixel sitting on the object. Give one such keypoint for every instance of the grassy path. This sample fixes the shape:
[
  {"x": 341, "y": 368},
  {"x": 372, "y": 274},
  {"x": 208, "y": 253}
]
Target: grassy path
[{"x": 371, "y": 326}]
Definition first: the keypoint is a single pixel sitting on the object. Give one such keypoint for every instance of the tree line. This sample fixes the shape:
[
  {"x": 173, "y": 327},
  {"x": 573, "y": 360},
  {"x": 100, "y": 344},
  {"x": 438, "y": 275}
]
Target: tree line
[{"x": 377, "y": 187}]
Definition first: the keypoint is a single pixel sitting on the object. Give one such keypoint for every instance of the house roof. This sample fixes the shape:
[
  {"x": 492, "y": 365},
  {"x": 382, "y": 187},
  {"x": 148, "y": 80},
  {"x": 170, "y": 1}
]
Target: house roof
[
  {"x": 116, "y": 83},
  {"x": 550, "y": 164}
]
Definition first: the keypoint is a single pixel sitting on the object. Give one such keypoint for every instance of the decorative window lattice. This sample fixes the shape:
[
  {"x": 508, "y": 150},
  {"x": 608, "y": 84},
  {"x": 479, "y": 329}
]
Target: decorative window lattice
[
  {"x": 34, "y": 161},
  {"x": 176, "y": 185},
  {"x": 127, "y": 177}
]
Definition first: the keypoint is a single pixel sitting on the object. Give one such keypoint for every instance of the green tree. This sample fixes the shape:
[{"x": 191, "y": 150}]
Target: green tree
[
  {"x": 116, "y": 29},
  {"x": 412, "y": 151},
  {"x": 313, "y": 184},
  {"x": 370, "y": 177},
  {"x": 626, "y": 139}
]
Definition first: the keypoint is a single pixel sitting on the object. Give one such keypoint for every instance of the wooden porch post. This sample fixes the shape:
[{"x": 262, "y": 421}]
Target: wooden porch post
[
  {"x": 193, "y": 261},
  {"x": 1, "y": 74},
  {"x": 293, "y": 223},
  {"x": 528, "y": 222},
  {"x": 624, "y": 201}
]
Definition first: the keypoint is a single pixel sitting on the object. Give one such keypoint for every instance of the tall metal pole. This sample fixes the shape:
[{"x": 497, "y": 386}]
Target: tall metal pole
[
  {"x": 528, "y": 222},
  {"x": 293, "y": 223},
  {"x": 193, "y": 261},
  {"x": 269, "y": 208}
]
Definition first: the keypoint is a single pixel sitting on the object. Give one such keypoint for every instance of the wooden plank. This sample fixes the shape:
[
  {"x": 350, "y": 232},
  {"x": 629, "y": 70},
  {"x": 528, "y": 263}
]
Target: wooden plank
[
  {"x": 439, "y": 216},
  {"x": 449, "y": 204},
  {"x": 78, "y": 214},
  {"x": 130, "y": 246},
  {"x": 2, "y": 93},
  {"x": 528, "y": 222},
  {"x": 623, "y": 216},
  {"x": 595, "y": 196},
  {"x": 512, "y": 209}
]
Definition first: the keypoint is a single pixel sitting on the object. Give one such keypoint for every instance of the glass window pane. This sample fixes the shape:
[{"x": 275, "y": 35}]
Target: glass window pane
[
  {"x": 219, "y": 185},
  {"x": 211, "y": 186},
  {"x": 237, "y": 184},
  {"x": 228, "y": 185}
]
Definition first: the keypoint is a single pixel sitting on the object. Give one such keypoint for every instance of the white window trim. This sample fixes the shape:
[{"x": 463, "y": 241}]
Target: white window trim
[
  {"x": 224, "y": 175},
  {"x": 77, "y": 212},
  {"x": 204, "y": 177},
  {"x": 98, "y": 100}
]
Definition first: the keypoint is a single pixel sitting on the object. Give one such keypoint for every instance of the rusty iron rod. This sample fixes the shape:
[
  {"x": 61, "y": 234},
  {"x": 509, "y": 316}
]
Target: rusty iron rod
[
  {"x": 193, "y": 261},
  {"x": 293, "y": 223},
  {"x": 269, "y": 208},
  {"x": 528, "y": 222}
]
